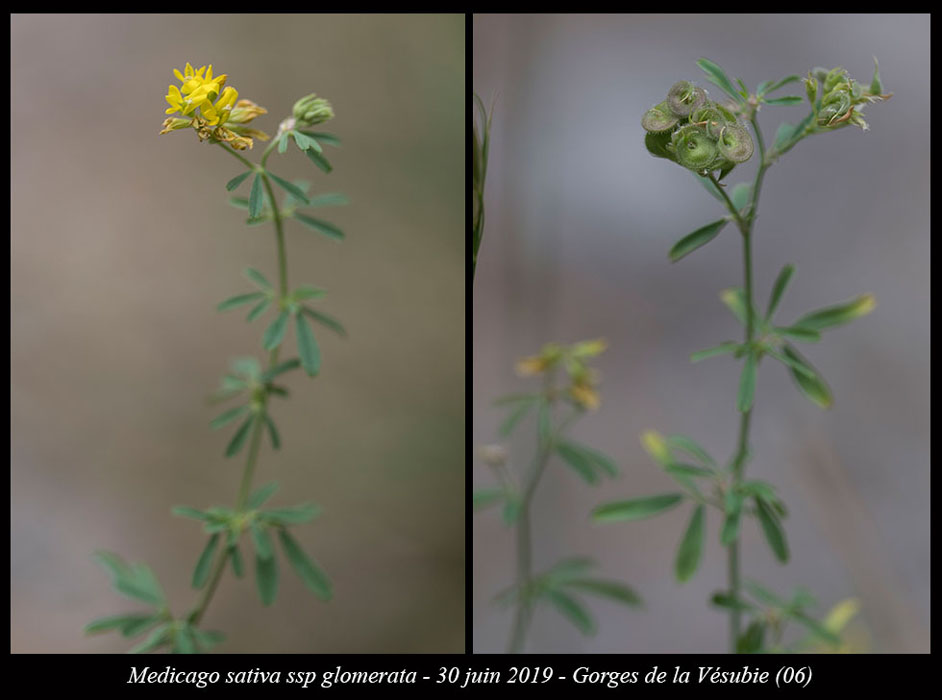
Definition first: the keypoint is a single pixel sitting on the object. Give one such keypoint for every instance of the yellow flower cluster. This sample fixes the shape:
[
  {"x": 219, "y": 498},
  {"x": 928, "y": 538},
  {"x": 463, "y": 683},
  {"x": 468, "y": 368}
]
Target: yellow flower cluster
[
  {"x": 215, "y": 112},
  {"x": 583, "y": 380}
]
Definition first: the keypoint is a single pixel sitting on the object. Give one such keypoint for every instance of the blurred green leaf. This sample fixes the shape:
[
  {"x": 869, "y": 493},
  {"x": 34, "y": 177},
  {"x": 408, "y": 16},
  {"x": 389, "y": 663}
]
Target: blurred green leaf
[
  {"x": 752, "y": 639},
  {"x": 326, "y": 320},
  {"x": 227, "y": 417},
  {"x": 788, "y": 100},
  {"x": 721, "y": 349},
  {"x": 691, "y": 447},
  {"x": 275, "y": 333},
  {"x": 612, "y": 590},
  {"x": 258, "y": 278},
  {"x": 266, "y": 578},
  {"x": 328, "y": 199},
  {"x": 258, "y": 309},
  {"x": 261, "y": 540},
  {"x": 320, "y": 226},
  {"x": 809, "y": 381},
  {"x": 307, "y": 570},
  {"x": 722, "y": 599},
  {"x": 272, "y": 432},
  {"x": 292, "y": 515},
  {"x": 781, "y": 282},
  {"x": 691, "y": 547},
  {"x": 319, "y": 160},
  {"x": 772, "y": 528},
  {"x": 798, "y": 333},
  {"x": 255, "y": 198},
  {"x": 515, "y": 416},
  {"x": 155, "y": 640},
  {"x": 323, "y": 137},
  {"x": 280, "y": 368},
  {"x": 837, "y": 315},
  {"x": 637, "y": 508},
  {"x": 290, "y": 188},
  {"x": 237, "y": 180},
  {"x": 235, "y": 557},
  {"x": 201, "y": 572},
  {"x": 484, "y": 498},
  {"x": 305, "y": 142},
  {"x": 740, "y": 195},
  {"x": 235, "y": 444},
  {"x": 747, "y": 384},
  {"x": 307, "y": 346},
  {"x": 260, "y": 495},
  {"x": 239, "y": 300},
  {"x": 572, "y": 610}
]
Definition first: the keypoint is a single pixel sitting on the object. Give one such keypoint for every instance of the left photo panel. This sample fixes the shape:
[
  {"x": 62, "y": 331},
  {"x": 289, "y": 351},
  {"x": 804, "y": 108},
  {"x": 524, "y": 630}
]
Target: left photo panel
[{"x": 238, "y": 334}]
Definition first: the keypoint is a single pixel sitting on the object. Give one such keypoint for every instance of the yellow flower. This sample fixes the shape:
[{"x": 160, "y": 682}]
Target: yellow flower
[
  {"x": 531, "y": 366},
  {"x": 585, "y": 395},
  {"x": 219, "y": 113}
]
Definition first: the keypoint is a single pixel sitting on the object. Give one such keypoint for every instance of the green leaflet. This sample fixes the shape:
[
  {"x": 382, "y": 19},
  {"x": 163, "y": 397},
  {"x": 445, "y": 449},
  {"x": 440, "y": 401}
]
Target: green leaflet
[
  {"x": 691, "y": 547},
  {"x": 227, "y": 417},
  {"x": 307, "y": 570},
  {"x": 258, "y": 309},
  {"x": 326, "y": 320},
  {"x": 155, "y": 640},
  {"x": 515, "y": 416},
  {"x": 305, "y": 142},
  {"x": 798, "y": 333},
  {"x": 328, "y": 199},
  {"x": 637, "y": 508},
  {"x": 283, "y": 143},
  {"x": 307, "y": 292},
  {"x": 721, "y": 599},
  {"x": 239, "y": 300},
  {"x": 718, "y": 77},
  {"x": 837, "y": 315},
  {"x": 280, "y": 368},
  {"x": 319, "y": 160},
  {"x": 260, "y": 495},
  {"x": 290, "y": 188},
  {"x": 586, "y": 462},
  {"x": 255, "y": 198},
  {"x": 752, "y": 639},
  {"x": 767, "y": 86},
  {"x": 747, "y": 384},
  {"x": 721, "y": 349},
  {"x": 266, "y": 578},
  {"x": 778, "y": 288},
  {"x": 235, "y": 444},
  {"x": 135, "y": 581},
  {"x": 201, "y": 572},
  {"x": 292, "y": 515},
  {"x": 572, "y": 610},
  {"x": 275, "y": 333},
  {"x": 261, "y": 540},
  {"x": 323, "y": 137},
  {"x": 697, "y": 239},
  {"x": 307, "y": 346},
  {"x": 740, "y": 195},
  {"x": 484, "y": 498},
  {"x": 272, "y": 432},
  {"x": 809, "y": 381},
  {"x": 237, "y": 180},
  {"x": 320, "y": 225},
  {"x": 789, "y": 100},
  {"x": 258, "y": 278},
  {"x": 612, "y": 590},
  {"x": 691, "y": 447},
  {"x": 131, "y": 621},
  {"x": 772, "y": 528},
  {"x": 235, "y": 557}
]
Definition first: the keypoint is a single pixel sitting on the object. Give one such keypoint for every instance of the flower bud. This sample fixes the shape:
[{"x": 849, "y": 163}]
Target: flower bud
[
  {"x": 245, "y": 111},
  {"x": 811, "y": 89},
  {"x": 311, "y": 110},
  {"x": 173, "y": 123}
]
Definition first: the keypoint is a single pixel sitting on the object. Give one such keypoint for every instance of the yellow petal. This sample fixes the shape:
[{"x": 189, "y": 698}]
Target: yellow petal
[
  {"x": 179, "y": 75},
  {"x": 209, "y": 73},
  {"x": 188, "y": 71}
]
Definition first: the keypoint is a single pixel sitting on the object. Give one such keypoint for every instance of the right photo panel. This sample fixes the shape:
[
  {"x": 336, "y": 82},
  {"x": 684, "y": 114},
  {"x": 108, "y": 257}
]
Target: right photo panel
[{"x": 701, "y": 337}]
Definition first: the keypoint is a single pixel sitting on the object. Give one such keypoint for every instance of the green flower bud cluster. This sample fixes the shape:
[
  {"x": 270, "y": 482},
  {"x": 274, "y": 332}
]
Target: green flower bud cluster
[
  {"x": 311, "y": 110},
  {"x": 695, "y": 132},
  {"x": 842, "y": 98}
]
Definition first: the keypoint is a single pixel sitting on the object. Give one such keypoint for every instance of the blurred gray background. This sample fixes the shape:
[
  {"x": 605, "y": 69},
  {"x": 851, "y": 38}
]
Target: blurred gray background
[
  {"x": 579, "y": 221},
  {"x": 123, "y": 244}
]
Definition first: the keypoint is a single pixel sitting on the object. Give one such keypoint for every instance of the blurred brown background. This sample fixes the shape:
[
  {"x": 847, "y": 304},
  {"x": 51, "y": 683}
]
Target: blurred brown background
[
  {"x": 122, "y": 245},
  {"x": 579, "y": 221}
]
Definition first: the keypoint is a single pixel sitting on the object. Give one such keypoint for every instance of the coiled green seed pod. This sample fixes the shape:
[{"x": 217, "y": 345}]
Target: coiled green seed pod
[
  {"x": 659, "y": 145},
  {"x": 694, "y": 148},
  {"x": 735, "y": 143},
  {"x": 659, "y": 119},
  {"x": 684, "y": 97},
  {"x": 834, "y": 105}
]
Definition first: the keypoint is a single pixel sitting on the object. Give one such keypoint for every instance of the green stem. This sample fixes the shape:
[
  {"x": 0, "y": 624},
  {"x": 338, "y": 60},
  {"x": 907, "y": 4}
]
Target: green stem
[
  {"x": 246, "y": 484},
  {"x": 524, "y": 539},
  {"x": 738, "y": 467}
]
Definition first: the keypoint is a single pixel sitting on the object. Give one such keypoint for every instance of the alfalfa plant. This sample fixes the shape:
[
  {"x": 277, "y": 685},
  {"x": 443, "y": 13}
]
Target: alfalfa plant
[
  {"x": 709, "y": 138},
  {"x": 218, "y": 117},
  {"x": 569, "y": 391}
]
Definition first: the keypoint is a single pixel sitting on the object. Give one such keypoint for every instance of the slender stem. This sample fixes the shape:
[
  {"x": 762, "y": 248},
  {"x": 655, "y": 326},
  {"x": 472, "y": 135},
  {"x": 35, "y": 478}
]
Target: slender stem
[
  {"x": 738, "y": 467},
  {"x": 246, "y": 484},
  {"x": 524, "y": 539}
]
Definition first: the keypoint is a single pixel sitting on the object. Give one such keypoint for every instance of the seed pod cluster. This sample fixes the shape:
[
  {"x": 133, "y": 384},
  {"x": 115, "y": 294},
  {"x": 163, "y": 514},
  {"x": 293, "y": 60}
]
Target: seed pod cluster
[{"x": 695, "y": 132}]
